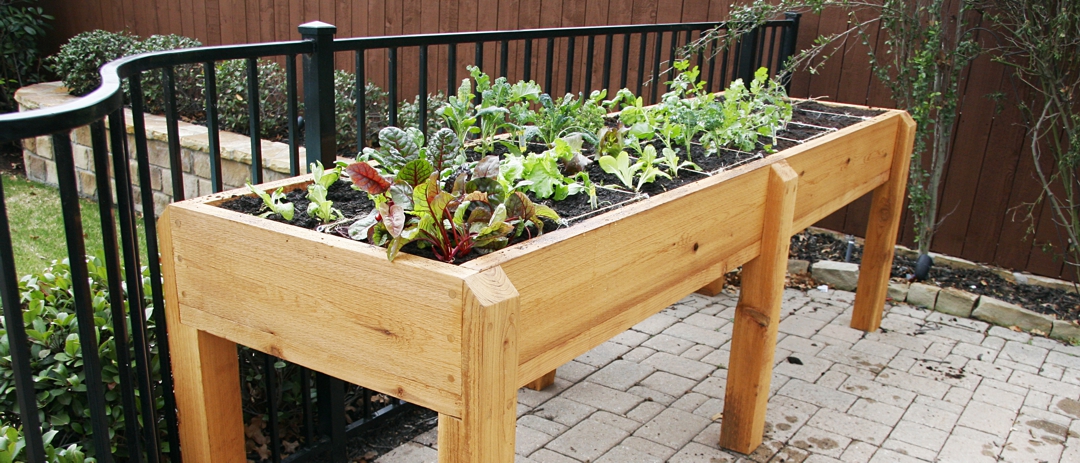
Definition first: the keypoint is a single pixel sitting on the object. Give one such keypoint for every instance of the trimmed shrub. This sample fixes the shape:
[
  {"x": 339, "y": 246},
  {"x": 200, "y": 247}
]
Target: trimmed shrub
[
  {"x": 22, "y": 25},
  {"x": 80, "y": 59},
  {"x": 232, "y": 98},
  {"x": 56, "y": 356},
  {"x": 189, "y": 95}
]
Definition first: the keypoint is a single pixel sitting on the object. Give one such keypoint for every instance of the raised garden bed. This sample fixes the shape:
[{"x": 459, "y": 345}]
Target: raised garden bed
[{"x": 460, "y": 339}]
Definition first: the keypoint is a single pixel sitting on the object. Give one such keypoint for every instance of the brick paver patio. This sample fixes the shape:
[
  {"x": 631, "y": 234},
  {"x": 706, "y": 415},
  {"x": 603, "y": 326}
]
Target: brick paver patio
[{"x": 926, "y": 387}]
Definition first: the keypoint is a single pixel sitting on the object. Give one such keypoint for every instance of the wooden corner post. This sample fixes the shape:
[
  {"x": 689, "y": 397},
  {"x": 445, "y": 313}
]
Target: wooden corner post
[
  {"x": 206, "y": 374},
  {"x": 486, "y": 429},
  {"x": 884, "y": 223},
  {"x": 757, "y": 318}
]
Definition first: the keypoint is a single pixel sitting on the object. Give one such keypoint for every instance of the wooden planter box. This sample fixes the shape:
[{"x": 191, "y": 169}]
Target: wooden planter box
[{"x": 462, "y": 339}]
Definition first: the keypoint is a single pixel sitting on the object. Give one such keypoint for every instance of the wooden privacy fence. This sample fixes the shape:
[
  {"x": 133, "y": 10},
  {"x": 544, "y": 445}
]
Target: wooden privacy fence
[{"x": 989, "y": 175}]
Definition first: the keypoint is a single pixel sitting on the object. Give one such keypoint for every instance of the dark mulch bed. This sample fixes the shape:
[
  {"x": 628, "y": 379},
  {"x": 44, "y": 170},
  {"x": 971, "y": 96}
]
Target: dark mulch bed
[{"x": 1062, "y": 304}]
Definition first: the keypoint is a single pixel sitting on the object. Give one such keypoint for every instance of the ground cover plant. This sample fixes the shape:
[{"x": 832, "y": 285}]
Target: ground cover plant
[{"x": 514, "y": 162}]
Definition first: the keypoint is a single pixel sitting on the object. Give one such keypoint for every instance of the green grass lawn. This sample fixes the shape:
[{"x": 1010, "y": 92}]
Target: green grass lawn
[{"x": 37, "y": 225}]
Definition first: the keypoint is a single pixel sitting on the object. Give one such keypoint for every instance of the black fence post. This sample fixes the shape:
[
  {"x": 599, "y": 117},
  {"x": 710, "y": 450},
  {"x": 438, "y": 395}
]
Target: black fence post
[
  {"x": 746, "y": 56},
  {"x": 787, "y": 49},
  {"x": 319, "y": 93}
]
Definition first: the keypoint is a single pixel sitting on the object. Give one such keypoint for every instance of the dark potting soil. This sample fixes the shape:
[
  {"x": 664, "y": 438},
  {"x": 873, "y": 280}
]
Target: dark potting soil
[
  {"x": 1064, "y": 305},
  {"x": 810, "y": 119}
]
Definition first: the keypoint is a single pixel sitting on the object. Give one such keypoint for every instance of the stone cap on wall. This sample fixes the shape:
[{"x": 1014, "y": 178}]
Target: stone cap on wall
[{"x": 234, "y": 147}]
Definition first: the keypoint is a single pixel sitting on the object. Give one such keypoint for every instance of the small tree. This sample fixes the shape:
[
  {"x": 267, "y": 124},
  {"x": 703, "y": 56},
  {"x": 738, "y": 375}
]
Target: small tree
[
  {"x": 1041, "y": 43},
  {"x": 928, "y": 44}
]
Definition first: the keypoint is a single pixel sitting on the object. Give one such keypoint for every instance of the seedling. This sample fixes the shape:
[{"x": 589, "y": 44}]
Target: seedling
[{"x": 274, "y": 202}]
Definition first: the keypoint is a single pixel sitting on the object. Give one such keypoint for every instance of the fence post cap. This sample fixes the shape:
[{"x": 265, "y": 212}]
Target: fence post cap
[{"x": 317, "y": 28}]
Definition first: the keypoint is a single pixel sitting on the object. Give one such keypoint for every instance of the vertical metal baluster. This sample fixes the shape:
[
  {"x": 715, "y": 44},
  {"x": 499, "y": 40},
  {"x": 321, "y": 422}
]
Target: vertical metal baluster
[
  {"x": 253, "y": 120},
  {"x": 528, "y": 61},
  {"x": 392, "y": 86},
  {"x": 422, "y": 94},
  {"x": 80, "y": 289},
  {"x": 293, "y": 115},
  {"x": 361, "y": 101},
  {"x": 213, "y": 136},
  {"x": 550, "y": 64},
  {"x": 305, "y": 407},
  {"x": 589, "y": 48},
  {"x": 504, "y": 54},
  {"x": 116, "y": 298},
  {"x": 760, "y": 45},
  {"x": 642, "y": 43},
  {"x": 700, "y": 54},
  {"x": 570, "y": 65},
  {"x": 726, "y": 76},
  {"x": 173, "y": 130},
  {"x": 671, "y": 54},
  {"x": 657, "y": 51},
  {"x": 606, "y": 80},
  {"x": 270, "y": 376},
  {"x": 625, "y": 60},
  {"x": 149, "y": 222},
  {"x": 478, "y": 57},
  {"x": 772, "y": 48},
  {"x": 451, "y": 69},
  {"x": 331, "y": 392},
  {"x": 710, "y": 48},
  {"x": 19, "y": 347},
  {"x": 790, "y": 36}
]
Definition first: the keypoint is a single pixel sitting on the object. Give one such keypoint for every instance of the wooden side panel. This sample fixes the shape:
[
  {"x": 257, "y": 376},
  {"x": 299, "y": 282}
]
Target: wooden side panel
[
  {"x": 836, "y": 169},
  {"x": 485, "y": 430},
  {"x": 628, "y": 266},
  {"x": 757, "y": 319},
  {"x": 207, "y": 377},
  {"x": 393, "y": 327}
]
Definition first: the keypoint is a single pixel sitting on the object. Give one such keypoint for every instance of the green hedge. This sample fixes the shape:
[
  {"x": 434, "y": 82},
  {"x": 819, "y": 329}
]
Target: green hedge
[{"x": 80, "y": 59}]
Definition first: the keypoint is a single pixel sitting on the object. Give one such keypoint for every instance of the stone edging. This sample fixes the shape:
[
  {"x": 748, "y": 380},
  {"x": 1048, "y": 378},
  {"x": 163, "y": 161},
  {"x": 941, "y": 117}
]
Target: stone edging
[
  {"x": 194, "y": 153},
  {"x": 952, "y": 301}
]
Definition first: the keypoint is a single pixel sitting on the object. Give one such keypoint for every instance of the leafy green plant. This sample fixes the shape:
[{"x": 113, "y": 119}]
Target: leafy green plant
[
  {"x": 476, "y": 214},
  {"x": 12, "y": 444},
  {"x": 79, "y": 59},
  {"x": 232, "y": 98},
  {"x": 496, "y": 100},
  {"x": 57, "y": 360},
  {"x": 570, "y": 115},
  {"x": 673, "y": 163},
  {"x": 458, "y": 112},
  {"x": 320, "y": 207},
  {"x": 644, "y": 169},
  {"x": 22, "y": 27},
  {"x": 1042, "y": 47},
  {"x": 555, "y": 173},
  {"x": 744, "y": 115},
  {"x": 927, "y": 45},
  {"x": 274, "y": 203},
  {"x": 189, "y": 95}
]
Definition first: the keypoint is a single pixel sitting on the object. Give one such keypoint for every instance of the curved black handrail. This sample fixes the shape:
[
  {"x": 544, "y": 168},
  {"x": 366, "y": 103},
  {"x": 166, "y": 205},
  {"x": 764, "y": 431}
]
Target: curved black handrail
[{"x": 108, "y": 97}]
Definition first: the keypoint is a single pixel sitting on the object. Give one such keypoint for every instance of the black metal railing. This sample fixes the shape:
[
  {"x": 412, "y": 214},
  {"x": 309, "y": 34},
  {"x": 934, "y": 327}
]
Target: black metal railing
[{"x": 612, "y": 57}]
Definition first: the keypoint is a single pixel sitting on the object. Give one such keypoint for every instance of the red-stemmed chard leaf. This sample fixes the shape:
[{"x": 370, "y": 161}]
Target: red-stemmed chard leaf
[
  {"x": 366, "y": 178},
  {"x": 487, "y": 167}
]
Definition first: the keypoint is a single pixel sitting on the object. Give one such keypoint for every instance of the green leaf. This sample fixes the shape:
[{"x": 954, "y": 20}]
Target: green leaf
[{"x": 415, "y": 172}]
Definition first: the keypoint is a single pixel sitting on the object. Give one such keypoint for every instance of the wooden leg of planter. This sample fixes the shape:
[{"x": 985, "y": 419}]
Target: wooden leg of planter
[
  {"x": 757, "y": 317},
  {"x": 715, "y": 287},
  {"x": 884, "y": 223},
  {"x": 485, "y": 431},
  {"x": 206, "y": 375},
  {"x": 542, "y": 382}
]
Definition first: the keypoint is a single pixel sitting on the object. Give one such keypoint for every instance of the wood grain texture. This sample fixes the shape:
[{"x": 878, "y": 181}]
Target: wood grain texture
[
  {"x": 398, "y": 332},
  {"x": 757, "y": 318},
  {"x": 486, "y": 429},
  {"x": 627, "y": 247},
  {"x": 207, "y": 378},
  {"x": 883, "y": 224},
  {"x": 542, "y": 382}
]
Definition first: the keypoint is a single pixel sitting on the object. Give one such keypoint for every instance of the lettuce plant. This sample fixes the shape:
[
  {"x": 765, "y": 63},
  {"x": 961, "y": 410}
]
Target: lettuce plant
[
  {"x": 644, "y": 170},
  {"x": 274, "y": 202}
]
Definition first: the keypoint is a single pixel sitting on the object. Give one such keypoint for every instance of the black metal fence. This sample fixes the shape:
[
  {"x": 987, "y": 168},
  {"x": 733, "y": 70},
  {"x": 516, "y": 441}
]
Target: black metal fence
[{"x": 625, "y": 56}]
